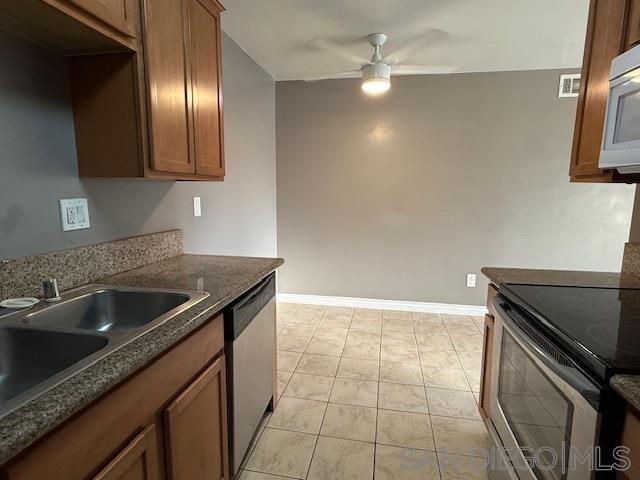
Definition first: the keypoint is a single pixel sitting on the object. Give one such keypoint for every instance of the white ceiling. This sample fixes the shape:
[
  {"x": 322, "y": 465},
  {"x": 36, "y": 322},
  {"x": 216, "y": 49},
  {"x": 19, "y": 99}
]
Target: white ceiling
[{"x": 481, "y": 35}]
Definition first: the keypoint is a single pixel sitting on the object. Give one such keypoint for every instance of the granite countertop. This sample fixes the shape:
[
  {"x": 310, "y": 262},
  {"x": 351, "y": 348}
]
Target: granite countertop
[
  {"x": 500, "y": 276},
  {"x": 224, "y": 278},
  {"x": 628, "y": 386}
]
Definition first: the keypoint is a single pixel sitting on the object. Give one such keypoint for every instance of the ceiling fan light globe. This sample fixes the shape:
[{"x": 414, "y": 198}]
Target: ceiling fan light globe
[
  {"x": 376, "y": 86},
  {"x": 376, "y": 78}
]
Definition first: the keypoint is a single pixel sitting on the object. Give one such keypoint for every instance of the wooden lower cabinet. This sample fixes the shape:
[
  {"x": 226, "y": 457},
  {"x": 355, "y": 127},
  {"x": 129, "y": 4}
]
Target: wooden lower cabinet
[
  {"x": 167, "y": 421},
  {"x": 195, "y": 428},
  {"x": 487, "y": 350},
  {"x": 138, "y": 461},
  {"x": 485, "y": 382},
  {"x": 631, "y": 440}
]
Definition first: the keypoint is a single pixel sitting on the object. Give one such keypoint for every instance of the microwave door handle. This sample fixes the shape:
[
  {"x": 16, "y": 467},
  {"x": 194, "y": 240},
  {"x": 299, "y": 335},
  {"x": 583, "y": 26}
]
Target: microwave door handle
[{"x": 571, "y": 375}]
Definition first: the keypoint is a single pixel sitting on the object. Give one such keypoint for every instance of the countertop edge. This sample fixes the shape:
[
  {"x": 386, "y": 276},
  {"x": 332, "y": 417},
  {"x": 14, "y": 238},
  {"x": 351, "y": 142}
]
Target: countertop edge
[
  {"x": 28, "y": 423},
  {"x": 574, "y": 278},
  {"x": 628, "y": 386}
]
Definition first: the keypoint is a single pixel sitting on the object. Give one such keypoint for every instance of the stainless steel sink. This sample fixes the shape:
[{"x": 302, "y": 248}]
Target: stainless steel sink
[
  {"x": 29, "y": 357},
  {"x": 108, "y": 310},
  {"x": 47, "y": 344}
]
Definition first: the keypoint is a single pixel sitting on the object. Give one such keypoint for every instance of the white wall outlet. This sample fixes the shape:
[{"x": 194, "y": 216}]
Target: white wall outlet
[
  {"x": 197, "y": 208},
  {"x": 471, "y": 280},
  {"x": 74, "y": 213}
]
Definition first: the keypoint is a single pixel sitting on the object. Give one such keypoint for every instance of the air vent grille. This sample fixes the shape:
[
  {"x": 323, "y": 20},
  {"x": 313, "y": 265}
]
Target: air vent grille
[
  {"x": 569, "y": 85},
  {"x": 545, "y": 344}
]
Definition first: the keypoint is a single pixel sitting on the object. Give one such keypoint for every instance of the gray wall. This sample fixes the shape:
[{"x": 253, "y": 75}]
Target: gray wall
[
  {"x": 39, "y": 166},
  {"x": 399, "y": 197}
]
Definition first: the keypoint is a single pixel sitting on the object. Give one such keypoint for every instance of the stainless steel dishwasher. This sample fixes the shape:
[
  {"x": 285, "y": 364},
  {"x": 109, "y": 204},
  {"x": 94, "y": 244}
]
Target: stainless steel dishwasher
[{"x": 249, "y": 325}]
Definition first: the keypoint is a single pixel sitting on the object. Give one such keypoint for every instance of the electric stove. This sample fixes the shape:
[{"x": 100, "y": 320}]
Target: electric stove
[{"x": 598, "y": 327}]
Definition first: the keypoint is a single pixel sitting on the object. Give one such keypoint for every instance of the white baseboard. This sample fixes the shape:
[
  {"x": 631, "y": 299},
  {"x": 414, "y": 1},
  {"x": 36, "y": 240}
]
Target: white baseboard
[{"x": 426, "y": 307}]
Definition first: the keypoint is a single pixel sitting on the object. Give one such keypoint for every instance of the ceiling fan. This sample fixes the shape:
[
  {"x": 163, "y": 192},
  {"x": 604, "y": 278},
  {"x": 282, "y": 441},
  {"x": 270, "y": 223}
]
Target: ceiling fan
[{"x": 376, "y": 72}]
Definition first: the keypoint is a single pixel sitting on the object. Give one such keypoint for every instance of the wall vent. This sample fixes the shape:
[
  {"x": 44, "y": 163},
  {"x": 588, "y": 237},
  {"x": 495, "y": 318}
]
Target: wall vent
[{"x": 569, "y": 85}]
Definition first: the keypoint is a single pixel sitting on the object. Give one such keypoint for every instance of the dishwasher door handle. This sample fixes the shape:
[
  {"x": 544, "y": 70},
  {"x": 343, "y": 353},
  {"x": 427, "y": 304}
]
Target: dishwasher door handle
[{"x": 241, "y": 314}]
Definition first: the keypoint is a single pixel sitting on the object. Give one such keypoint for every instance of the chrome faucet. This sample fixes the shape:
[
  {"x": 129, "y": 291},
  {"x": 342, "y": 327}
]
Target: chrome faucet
[{"x": 51, "y": 291}]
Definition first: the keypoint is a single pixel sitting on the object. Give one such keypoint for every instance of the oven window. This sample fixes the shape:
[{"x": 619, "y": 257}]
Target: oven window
[
  {"x": 538, "y": 414},
  {"x": 628, "y": 118}
]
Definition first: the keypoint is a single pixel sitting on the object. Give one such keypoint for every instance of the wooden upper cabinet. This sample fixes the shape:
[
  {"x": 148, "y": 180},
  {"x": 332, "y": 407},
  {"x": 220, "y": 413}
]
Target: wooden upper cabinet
[
  {"x": 146, "y": 82},
  {"x": 632, "y": 37},
  {"x": 196, "y": 428},
  {"x": 73, "y": 26},
  {"x": 206, "y": 83},
  {"x": 165, "y": 27},
  {"x": 183, "y": 58},
  {"x": 613, "y": 27},
  {"x": 117, "y": 14},
  {"x": 155, "y": 112},
  {"x": 138, "y": 460},
  {"x": 605, "y": 32}
]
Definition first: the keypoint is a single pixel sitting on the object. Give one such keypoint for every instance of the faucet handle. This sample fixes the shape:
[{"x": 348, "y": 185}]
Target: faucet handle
[{"x": 51, "y": 291}]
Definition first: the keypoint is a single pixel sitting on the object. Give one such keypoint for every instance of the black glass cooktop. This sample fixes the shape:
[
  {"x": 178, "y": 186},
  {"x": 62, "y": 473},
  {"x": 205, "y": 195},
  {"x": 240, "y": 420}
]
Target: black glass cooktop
[{"x": 593, "y": 322}]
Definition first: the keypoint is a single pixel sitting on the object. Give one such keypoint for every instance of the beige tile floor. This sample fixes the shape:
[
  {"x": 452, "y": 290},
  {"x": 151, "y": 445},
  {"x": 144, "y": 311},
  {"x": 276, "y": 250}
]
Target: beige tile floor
[{"x": 373, "y": 394}]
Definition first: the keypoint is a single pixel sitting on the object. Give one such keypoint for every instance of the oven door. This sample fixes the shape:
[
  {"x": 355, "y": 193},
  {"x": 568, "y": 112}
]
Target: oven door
[{"x": 538, "y": 403}]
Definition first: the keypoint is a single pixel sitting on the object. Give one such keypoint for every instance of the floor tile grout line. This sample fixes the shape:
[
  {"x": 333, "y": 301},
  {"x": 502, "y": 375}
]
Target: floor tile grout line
[
  {"x": 253, "y": 446},
  {"x": 375, "y": 436},
  {"x": 433, "y": 436},
  {"x": 464, "y": 371},
  {"x": 321, "y": 424}
]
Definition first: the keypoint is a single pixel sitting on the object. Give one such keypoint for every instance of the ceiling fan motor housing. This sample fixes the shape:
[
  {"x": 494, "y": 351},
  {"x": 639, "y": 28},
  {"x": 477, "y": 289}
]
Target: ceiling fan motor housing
[{"x": 376, "y": 71}]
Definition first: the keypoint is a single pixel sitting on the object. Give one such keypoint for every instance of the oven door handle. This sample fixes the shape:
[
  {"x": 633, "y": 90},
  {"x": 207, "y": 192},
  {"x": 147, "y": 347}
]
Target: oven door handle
[{"x": 570, "y": 374}]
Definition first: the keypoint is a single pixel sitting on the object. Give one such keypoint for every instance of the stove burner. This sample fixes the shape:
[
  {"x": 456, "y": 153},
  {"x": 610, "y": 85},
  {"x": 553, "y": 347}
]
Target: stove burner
[
  {"x": 623, "y": 340},
  {"x": 579, "y": 303}
]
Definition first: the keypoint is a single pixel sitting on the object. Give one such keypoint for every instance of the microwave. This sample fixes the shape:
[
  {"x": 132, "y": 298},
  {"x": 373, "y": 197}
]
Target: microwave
[{"x": 621, "y": 135}]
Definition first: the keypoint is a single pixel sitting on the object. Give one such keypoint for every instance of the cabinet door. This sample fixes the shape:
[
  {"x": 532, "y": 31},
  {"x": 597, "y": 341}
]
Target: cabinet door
[
  {"x": 485, "y": 382},
  {"x": 167, "y": 72},
  {"x": 115, "y": 13},
  {"x": 633, "y": 25},
  {"x": 206, "y": 84},
  {"x": 138, "y": 461},
  {"x": 605, "y": 39},
  {"x": 631, "y": 440},
  {"x": 196, "y": 428}
]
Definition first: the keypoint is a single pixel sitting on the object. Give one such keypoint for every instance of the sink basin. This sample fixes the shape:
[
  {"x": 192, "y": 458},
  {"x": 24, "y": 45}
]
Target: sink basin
[
  {"x": 29, "y": 357},
  {"x": 108, "y": 310},
  {"x": 49, "y": 343}
]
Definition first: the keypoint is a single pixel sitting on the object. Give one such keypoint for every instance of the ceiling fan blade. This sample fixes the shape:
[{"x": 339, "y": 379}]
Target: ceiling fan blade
[
  {"x": 404, "y": 50},
  {"x": 331, "y": 76},
  {"x": 422, "y": 69},
  {"x": 328, "y": 46}
]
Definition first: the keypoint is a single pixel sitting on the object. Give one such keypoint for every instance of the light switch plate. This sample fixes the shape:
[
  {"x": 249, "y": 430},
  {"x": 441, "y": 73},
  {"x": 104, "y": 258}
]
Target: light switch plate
[
  {"x": 197, "y": 208},
  {"x": 74, "y": 213}
]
